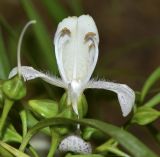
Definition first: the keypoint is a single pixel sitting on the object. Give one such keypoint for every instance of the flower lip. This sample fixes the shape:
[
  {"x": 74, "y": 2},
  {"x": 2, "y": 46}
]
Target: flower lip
[{"x": 76, "y": 55}]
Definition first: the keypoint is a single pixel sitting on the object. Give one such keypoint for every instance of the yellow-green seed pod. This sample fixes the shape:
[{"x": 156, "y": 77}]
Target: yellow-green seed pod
[
  {"x": 14, "y": 88},
  {"x": 43, "y": 108}
]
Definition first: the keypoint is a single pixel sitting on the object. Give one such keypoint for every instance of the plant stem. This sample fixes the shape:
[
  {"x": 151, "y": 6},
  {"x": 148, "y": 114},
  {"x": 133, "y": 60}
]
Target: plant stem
[
  {"x": 7, "y": 106},
  {"x": 24, "y": 122},
  {"x": 32, "y": 150},
  {"x": 54, "y": 142}
]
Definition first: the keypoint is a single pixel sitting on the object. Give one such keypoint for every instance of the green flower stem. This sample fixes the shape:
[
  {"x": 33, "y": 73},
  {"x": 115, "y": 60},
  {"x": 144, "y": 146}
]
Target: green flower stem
[
  {"x": 118, "y": 152},
  {"x": 23, "y": 116},
  {"x": 7, "y": 106},
  {"x": 54, "y": 142},
  {"x": 33, "y": 152},
  {"x": 111, "y": 146}
]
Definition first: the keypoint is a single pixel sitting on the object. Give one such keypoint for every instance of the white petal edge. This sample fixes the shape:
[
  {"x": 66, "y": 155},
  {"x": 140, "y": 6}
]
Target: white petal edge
[
  {"x": 126, "y": 95},
  {"x": 29, "y": 73}
]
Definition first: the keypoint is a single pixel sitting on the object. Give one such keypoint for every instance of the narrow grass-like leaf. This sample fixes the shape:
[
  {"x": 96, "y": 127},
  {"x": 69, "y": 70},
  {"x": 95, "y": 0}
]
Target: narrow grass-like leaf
[
  {"x": 42, "y": 36},
  {"x": 12, "y": 150},
  {"x": 127, "y": 140},
  {"x": 155, "y": 76},
  {"x": 5, "y": 25},
  {"x": 4, "y": 63},
  {"x": 5, "y": 153},
  {"x": 76, "y": 6},
  {"x": 56, "y": 10},
  {"x": 154, "y": 101}
]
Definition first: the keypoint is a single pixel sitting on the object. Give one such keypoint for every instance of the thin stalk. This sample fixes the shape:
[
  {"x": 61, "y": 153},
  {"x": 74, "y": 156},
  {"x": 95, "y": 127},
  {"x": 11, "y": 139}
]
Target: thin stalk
[
  {"x": 55, "y": 139},
  {"x": 7, "y": 106},
  {"x": 20, "y": 43},
  {"x": 23, "y": 117},
  {"x": 32, "y": 150}
]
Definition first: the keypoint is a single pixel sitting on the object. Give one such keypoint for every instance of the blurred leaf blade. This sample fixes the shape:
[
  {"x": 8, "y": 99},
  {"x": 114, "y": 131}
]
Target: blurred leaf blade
[
  {"x": 76, "y": 6},
  {"x": 12, "y": 150},
  {"x": 153, "y": 101},
  {"x": 4, "y": 62},
  {"x": 42, "y": 36},
  {"x": 56, "y": 10},
  {"x": 155, "y": 76},
  {"x": 7, "y": 27}
]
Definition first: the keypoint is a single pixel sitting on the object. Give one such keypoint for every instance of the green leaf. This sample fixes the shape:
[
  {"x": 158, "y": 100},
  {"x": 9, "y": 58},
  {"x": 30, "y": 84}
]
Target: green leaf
[
  {"x": 154, "y": 101},
  {"x": 145, "y": 115},
  {"x": 11, "y": 136},
  {"x": 155, "y": 76},
  {"x": 106, "y": 147},
  {"x": 5, "y": 153},
  {"x": 42, "y": 36},
  {"x": 56, "y": 10},
  {"x": 12, "y": 150},
  {"x": 127, "y": 140},
  {"x": 76, "y": 6},
  {"x": 7, "y": 27},
  {"x": 4, "y": 62}
]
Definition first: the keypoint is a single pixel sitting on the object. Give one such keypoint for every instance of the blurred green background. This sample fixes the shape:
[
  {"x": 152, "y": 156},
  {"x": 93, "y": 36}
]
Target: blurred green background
[{"x": 129, "y": 47}]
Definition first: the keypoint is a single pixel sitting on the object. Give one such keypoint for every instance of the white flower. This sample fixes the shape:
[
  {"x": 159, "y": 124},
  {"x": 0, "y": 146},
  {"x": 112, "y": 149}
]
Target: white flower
[{"x": 76, "y": 48}]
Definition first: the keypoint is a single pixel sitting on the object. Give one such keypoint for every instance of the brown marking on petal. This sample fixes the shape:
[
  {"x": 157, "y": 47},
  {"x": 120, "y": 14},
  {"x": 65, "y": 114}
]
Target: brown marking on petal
[
  {"x": 89, "y": 35},
  {"x": 65, "y": 31},
  {"x": 91, "y": 45}
]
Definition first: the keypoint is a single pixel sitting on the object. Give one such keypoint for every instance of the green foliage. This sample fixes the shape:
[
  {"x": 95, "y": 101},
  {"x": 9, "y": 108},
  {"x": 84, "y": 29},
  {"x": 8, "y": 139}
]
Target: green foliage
[
  {"x": 145, "y": 115},
  {"x": 127, "y": 140},
  {"x": 155, "y": 76},
  {"x": 4, "y": 62}
]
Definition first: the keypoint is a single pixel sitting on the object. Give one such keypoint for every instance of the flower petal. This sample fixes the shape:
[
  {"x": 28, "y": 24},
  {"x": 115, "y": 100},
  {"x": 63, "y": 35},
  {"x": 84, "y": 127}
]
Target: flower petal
[
  {"x": 30, "y": 73},
  {"x": 126, "y": 95},
  {"x": 76, "y": 47}
]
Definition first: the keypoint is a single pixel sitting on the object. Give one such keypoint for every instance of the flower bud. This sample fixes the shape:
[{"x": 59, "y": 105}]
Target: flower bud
[
  {"x": 43, "y": 108},
  {"x": 82, "y": 104},
  {"x": 145, "y": 115},
  {"x": 14, "y": 88}
]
